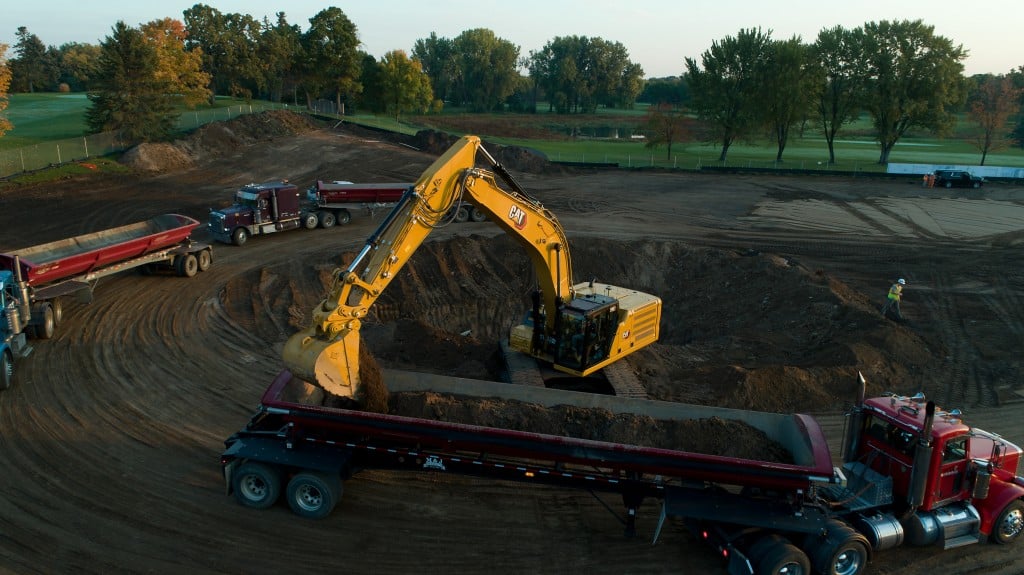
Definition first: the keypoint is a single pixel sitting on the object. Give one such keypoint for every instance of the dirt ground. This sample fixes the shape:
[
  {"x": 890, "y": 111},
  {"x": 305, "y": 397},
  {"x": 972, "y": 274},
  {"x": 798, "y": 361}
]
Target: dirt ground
[{"x": 771, "y": 287}]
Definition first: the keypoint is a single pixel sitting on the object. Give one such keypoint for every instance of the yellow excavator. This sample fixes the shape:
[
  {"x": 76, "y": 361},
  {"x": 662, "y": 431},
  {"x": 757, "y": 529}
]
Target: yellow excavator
[{"x": 576, "y": 328}]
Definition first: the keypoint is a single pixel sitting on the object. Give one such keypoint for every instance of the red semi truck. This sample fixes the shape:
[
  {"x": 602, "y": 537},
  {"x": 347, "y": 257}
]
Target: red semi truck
[
  {"x": 278, "y": 205},
  {"x": 910, "y": 474},
  {"x": 35, "y": 281}
]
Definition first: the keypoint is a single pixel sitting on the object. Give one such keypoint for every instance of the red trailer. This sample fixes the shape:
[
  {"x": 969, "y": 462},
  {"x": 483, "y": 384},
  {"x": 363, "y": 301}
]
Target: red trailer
[
  {"x": 48, "y": 272},
  {"x": 762, "y": 516}
]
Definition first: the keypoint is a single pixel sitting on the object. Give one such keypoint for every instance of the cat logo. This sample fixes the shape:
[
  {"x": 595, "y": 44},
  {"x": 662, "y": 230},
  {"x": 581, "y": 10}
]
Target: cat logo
[
  {"x": 518, "y": 217},
  {"x": 434, "y": 462}
]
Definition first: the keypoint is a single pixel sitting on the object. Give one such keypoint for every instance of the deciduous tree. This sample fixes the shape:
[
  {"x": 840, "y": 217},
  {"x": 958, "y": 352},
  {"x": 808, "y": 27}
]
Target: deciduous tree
[
  {"x": 404, "y": 87},
  {"x": 5, "y": 82},
  {"x": 786, "y": 89},
  {"x": 331, "y": 48},
  {"x": 437, "y": 55},
  {"x": 486, "y": 69},
  {"x": 726, "y": 86},
  {"x": 838, "y": 74},
  {"x": 179, "y": 69},
  {"x": 78, "y": 65},
  {"x": 666, "y": 124},
  {"x": 990, "y": 107},
  {"x": 913, "y": 78}
]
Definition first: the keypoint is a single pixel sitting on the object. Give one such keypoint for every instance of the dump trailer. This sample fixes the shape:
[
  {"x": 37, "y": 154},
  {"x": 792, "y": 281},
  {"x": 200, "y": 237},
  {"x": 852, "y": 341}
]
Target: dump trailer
[
  {"x": 36, "y": 280},
  {"x": 912, "y": 474},
  {"x": 332, "y": 202}
]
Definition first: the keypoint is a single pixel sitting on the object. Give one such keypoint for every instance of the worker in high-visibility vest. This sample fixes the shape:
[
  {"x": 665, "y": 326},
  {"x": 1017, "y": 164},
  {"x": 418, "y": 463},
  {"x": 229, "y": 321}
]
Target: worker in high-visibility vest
[{"x": 892, "y": 302}]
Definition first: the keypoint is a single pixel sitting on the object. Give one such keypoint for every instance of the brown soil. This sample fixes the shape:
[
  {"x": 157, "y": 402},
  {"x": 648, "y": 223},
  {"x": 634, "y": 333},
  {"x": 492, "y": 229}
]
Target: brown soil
[{"x": 771, "y": 288}]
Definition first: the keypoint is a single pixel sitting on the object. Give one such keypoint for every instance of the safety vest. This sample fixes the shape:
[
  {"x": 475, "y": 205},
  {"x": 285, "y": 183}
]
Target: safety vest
[{"x": 895, "y": 291}]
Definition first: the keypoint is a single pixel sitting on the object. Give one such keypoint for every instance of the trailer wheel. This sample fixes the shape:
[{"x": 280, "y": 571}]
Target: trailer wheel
[
  {"x": 477, "y": 216},
  {"x": 6, "y": 370},
  {"x": 310, "y": 220},
  {"x": 205, "y": 258},
  {"x": 327, "y": 219},
  {"x": 46, "y": 327},
  {"x": 188, "y": 265},
  {"x": 256, "y": 485},
  {"x": 1009, "y": 524},
  {"x": 784, "y": 559},
  {"x": 58, "y": 310},
  {"x": 313, "y": 495},
  {"x": 461, "y": 215},
  {"x": 239, "y": 236},
  {"x": 843, "y": 552},
  {"x": 344, "y": 217}
]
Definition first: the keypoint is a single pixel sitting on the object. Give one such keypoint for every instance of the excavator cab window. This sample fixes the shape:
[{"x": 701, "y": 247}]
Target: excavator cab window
[{"x": 588, "y": 329}]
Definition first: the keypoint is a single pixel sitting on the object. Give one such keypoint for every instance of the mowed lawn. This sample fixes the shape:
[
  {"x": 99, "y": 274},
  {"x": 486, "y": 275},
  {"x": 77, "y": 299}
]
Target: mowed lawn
[{"x": 43, "y": 117}]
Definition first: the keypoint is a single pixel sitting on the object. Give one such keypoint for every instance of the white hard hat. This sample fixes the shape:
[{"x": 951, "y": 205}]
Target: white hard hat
[{"x": 901, "y": 281}]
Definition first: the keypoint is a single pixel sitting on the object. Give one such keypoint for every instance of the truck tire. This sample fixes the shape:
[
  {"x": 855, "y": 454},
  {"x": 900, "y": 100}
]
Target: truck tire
[
  {"x": 343, "y": 216},
  {"x": 313, "y": 495},
  {"x": 239, "y": 236},
  {"x": 949, "y": 185},
  {"x": 205, "y": 258},
  {"x": 58, "y": 311},
  {"x": 477, "y": 216},
  {"x": 45, "y": 328},
  {"x": 187, "y": 265},
  {"x": 256, "y": 485},
  {"x": 1009, "y": 524},
  {"x": 784, "y": 558},
  {"x": 6, "y": 370},
  {"x": 310, "y": 220},
  {"x": 461, "y": 215},
  {"x": 843, "y": 552},
  {"x": 326, "y": 219}
]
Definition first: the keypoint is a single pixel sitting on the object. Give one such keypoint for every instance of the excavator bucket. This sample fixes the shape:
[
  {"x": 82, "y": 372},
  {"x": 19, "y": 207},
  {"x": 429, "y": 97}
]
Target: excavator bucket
[{"x": 335, "y": 363}]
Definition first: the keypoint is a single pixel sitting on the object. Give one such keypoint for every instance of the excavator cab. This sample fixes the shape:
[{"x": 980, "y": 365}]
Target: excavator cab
[{"x": 588, "y": 328}]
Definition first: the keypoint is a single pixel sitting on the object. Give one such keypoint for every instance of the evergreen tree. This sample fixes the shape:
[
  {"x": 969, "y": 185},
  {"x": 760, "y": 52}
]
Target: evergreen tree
[{"x": 127, "y": 96}]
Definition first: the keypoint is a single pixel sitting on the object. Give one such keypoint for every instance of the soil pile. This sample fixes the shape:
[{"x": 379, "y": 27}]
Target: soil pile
[
  {"x": 710, "y": 436},
  {"x": 160, "y": 157}
]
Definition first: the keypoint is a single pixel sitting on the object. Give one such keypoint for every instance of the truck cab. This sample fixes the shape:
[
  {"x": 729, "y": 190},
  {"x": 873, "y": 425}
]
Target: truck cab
[
  {"x": 257, "y": 209},
  {"x": 949, "y": 483},
  {"x": 13, "y": 343}
]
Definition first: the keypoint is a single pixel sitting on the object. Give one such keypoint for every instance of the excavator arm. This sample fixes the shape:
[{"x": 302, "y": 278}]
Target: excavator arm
[{"x": 563, "y": 315}]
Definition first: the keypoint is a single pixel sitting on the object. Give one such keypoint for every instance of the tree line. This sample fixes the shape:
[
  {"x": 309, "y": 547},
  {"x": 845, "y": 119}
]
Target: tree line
[{"x": 744, "y": 87}]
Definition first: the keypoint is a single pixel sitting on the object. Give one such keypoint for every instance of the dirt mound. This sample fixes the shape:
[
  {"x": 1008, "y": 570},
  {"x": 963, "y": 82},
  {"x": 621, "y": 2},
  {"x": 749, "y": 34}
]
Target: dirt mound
[
  {"x": 160, "y": 157},
  {"x": 217, "y": 138},
  {"x": 512, "y": 157}
]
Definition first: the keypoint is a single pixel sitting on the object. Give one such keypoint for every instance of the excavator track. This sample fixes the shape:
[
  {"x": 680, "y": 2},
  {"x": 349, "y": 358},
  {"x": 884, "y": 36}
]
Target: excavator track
[
  {"x": 624, "y": 381},
  {"x": 521, "y": 368}
]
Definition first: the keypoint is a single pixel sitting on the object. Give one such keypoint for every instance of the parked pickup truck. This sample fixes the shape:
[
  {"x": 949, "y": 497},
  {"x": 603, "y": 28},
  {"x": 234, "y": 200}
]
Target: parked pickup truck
[
  {"x": 957, "y": 179},
  {"x": 911, "y": 473}
]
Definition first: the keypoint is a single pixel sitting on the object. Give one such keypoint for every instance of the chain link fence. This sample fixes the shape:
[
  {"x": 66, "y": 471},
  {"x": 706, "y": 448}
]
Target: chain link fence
[{"x": 57, "y": 152}]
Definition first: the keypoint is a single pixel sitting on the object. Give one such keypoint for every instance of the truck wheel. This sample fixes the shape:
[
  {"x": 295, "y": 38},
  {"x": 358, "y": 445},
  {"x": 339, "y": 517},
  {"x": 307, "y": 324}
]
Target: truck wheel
[
  {"x": 326, "y": 219},
  {"x": 239, "y": 236},
  {"x": 313, "y": 495},
  {"x": 205, "y": 258},
  {"x": 344, "y": 217},
  {"x": 843, "y": 552},
  {"x": 784, "y": 559},
  {"x": 58, "y": 311},
  {"x": 46, "y": 327},
  {"x": 975, "y": 185},
  {"x": 477, "y": 216},
  {"x": 309, "y": 220},
  {"x": 6, "y": 370},
  {"x": 256, "y": 485},
  {"x": 1009, "y": 524},
  {"x": 188, "y": 265},
  {"x": 461, "y": 215},
  {"x": 949, "y": 184}
]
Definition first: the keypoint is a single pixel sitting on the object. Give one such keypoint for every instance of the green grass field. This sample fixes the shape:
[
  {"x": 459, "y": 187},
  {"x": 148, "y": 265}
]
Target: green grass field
[{"x": 40, "y": 118}]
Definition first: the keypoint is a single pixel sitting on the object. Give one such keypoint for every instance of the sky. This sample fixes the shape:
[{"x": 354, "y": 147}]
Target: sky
[{"x": 658, "y": 34}]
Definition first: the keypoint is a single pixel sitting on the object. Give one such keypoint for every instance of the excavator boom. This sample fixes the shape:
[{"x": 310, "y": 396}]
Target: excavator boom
[{"x": 578, "y": 328}]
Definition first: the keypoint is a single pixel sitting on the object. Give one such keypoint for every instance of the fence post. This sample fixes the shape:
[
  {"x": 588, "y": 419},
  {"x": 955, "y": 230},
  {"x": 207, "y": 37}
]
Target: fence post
[
  {"x": 85, "y": 142},
  {"x": 21, "y": 153},
  {"x": 58, "y": 155}
]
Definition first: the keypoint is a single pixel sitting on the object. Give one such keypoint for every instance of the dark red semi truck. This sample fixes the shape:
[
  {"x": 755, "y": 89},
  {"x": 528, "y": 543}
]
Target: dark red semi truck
[
  {"x": 911, "y": 474},
  {"x": 279, "y": 205}
]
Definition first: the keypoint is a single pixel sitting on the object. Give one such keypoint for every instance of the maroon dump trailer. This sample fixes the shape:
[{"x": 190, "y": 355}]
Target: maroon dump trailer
[
  {"x": 44, "y": 274},
  {"x": 911, "y": 473}
]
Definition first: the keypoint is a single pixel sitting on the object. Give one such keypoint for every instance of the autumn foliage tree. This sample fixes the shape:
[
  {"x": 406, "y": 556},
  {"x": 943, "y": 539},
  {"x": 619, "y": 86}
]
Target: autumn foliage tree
[
  {"x": 404, "y": 87},
  {"x": 666, "y": 124},
  {"x": 990, "y": 108},
  {"x": 179, "y": 69},
  {"x": 5, "y": 83}
]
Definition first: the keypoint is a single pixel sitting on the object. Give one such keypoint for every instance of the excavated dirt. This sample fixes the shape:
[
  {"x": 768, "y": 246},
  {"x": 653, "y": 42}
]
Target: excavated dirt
[{"x": 771, "y": 285}]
